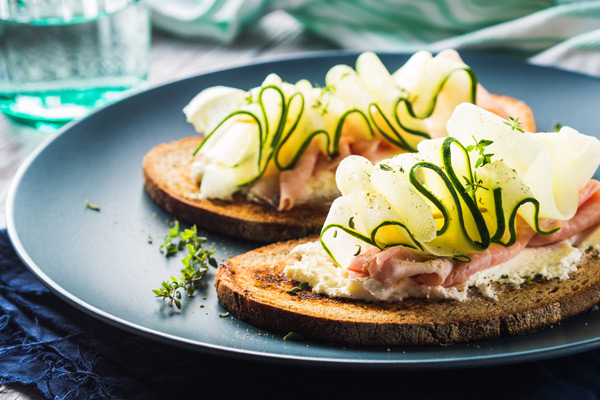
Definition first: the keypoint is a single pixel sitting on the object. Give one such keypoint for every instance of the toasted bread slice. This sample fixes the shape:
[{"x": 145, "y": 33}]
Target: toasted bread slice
[
  {"x": 167, "y": 179},
  {"x": 253, "y": 286}
]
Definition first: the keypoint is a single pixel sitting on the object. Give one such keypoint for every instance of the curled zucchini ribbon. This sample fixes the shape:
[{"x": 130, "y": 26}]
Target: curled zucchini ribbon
[
  {"x": 466, "y": 215},
  {"x": 284, "y": 119},
  {"x": 408, "y": 119}
]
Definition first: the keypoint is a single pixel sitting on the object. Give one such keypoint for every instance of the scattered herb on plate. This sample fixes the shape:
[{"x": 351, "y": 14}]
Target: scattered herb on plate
[
  {"x": 91, "y": 206},
  {"x": 195, "y": 263}
]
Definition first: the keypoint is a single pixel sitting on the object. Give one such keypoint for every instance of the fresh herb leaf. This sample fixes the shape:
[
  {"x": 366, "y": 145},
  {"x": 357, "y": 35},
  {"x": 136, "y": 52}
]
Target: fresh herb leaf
[
  {"x": 480, "y": 147},
  {"x": 504, "y": 276},
  {"x": 248, "y": 98},
  {"x": 483, "y": 160},
  {"x": 298, "y": 288},
  {"x": 557, "y": 127},
  {"x": 324, "y": 109},
  {"x": 293, "y": 336},
  {"x": 91, "y": 206},
  {"x": 351, "y": 223},
  {"x": 514, "y": 124},
  {"x": 528, "y": 281},
  {"x": 472, "y": 186},
  {"x": 169, "y": 247},
  {"x": 594, "y": 308},
  {"x": 195, "y": 263},
  {"x": 385, "y": 167},
  {"x": 335, "y": 234},
  {"x": 357, "y": 250}
]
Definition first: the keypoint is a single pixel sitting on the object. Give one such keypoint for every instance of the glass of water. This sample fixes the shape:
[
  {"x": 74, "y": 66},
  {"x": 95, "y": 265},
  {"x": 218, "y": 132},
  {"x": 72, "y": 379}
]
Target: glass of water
[{"x": 60, "y": 59}]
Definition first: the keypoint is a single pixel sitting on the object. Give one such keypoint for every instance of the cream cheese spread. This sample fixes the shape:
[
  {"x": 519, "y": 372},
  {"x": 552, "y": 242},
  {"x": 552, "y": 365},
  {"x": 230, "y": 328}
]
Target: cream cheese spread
[{"x": 316, "y": 268}]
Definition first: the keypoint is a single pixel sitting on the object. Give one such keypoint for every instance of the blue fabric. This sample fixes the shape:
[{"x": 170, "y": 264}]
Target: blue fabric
[{"x": 65, "y": 354}]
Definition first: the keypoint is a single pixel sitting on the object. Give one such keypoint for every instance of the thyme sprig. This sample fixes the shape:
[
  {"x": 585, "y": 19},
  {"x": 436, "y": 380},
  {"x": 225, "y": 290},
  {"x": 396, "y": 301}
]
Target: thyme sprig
[
  {"x": 302, "y": 286},
  {"x": 195, "y": 263},
  {"x": 557, "y": 126},
  {"x": 91, "y": 205},
  {"x": 480, "y": 147},
  {"x": 514, "y": 124},
  {"x": 471, "y": 185}
]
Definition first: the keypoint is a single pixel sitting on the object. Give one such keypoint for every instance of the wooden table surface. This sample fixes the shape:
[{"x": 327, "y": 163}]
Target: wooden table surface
[{"x": 172, "y": 58}]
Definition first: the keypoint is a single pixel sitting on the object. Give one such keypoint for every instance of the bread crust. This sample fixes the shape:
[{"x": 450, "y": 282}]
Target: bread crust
[
  {"x": 167, "y": 168},
  {"x": 253, "y": 286}
]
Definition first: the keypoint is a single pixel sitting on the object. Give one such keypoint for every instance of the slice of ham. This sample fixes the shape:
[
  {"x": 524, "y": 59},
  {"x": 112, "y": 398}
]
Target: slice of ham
[
  {"x": 313, "y": 162},
  {"x": 588, "y": 190},
  {"x": 330, "y": 164},
  {"x": 587, "y": 215},
  {"x": 374, "y": 150},
  {"x": 392, "y": 265},
  {"x": 495, "y": 254},
  {"x": 266, "y": 189},
  {"x": 291, "y": 182},
  {"x": 396, "y": 263}
]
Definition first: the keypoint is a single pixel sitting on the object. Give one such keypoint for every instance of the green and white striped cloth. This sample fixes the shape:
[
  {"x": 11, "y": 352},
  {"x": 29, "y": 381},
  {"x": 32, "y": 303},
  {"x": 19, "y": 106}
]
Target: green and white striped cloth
[{"x": 565, "y": 34}]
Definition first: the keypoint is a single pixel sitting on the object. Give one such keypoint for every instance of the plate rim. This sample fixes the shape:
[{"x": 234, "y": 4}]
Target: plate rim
[{"x": 232, "y": 352}]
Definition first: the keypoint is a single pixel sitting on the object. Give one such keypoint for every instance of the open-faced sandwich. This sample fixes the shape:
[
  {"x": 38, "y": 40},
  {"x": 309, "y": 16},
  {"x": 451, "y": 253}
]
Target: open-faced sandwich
[
  {"x": 490, "y": 231},
  {"x": 265, "y": 168}
]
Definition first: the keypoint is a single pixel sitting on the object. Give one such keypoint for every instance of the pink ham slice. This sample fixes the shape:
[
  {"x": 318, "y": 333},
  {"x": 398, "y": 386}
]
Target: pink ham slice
[
  {"x": 494, "y": 255},
  {"x": 313, "y": 163},
  {"x": 374, "y": 150},
  {"x": 291, "y": 182},
  {"x": 396, "y": 263},
  {"x": 588, "y": 190},
  {"x": 330, "y": 164},
  {"x": 588, "y": 215}
]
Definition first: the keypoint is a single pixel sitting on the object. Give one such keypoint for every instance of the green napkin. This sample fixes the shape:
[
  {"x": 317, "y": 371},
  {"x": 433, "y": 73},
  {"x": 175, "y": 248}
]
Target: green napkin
[{"x": 565, "y": 34}]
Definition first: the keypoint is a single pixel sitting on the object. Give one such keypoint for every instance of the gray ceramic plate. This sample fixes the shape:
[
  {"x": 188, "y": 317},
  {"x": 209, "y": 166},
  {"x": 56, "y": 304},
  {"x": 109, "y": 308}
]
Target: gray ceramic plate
[{"x": 102, "y": 263}]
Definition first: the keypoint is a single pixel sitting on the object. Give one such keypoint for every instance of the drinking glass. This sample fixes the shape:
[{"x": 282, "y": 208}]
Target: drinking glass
[{"x": 60, "y": 59}]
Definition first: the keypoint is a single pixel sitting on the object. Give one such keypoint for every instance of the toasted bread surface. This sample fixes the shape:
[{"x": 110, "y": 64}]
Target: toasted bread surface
[
  {"x": 254, "y": 287},
  {"x": 167, "y": 179},
  {"x": 167, "y": 169}
]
